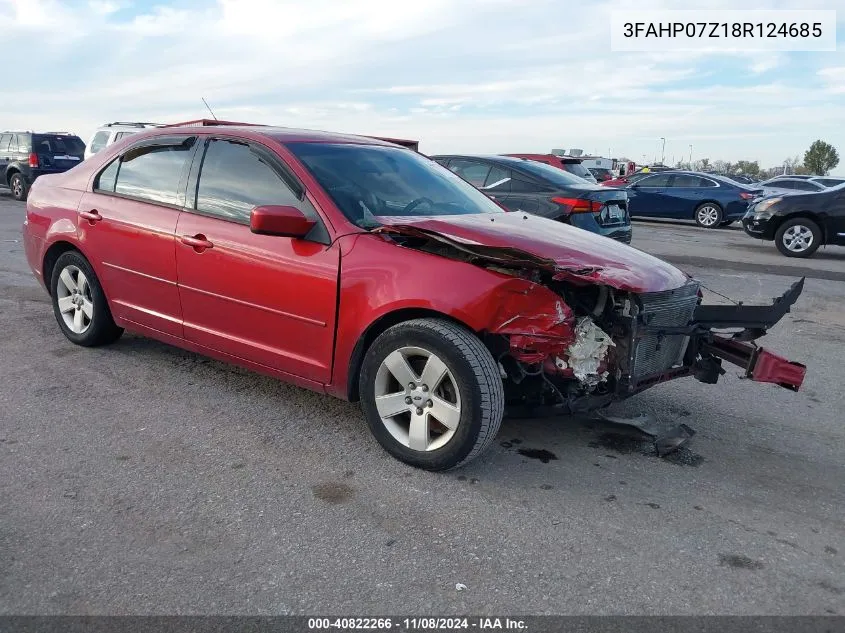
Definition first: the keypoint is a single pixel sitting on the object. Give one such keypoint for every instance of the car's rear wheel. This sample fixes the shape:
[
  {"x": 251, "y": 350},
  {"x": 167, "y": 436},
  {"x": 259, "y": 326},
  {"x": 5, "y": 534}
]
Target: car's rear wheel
[
  {"x": 708, "y": 215},
  {"x": 79, "y": 302},
  {"x": 432, "y": 393},
  {"x": 17, "y": 183},
  {"x": 799, "y": 237}
]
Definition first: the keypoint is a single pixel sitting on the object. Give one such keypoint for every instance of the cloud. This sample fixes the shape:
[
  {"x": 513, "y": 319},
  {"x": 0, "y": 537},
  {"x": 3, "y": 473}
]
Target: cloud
[
  {"x": 834, "y": 79},
  {"x": 474, "y": 76}
]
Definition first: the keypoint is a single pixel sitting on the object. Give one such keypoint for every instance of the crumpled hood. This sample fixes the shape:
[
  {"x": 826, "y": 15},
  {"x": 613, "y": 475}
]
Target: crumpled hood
[{"x": 573, "y": 254}]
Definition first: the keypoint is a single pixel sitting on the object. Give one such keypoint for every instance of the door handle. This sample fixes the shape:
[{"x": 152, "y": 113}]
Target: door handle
[
  {"x": 92, "y": 216},
  {"x": 198, "y": 242}
]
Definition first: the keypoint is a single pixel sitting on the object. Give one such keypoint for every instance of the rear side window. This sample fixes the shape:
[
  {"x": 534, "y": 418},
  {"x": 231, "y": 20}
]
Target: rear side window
[
  {"x": 498, "y": 179},
  {"x": 471, "y": 171},
  {"x": 99, "y": 141},
  {"x": 235, "y": 178},
  {"x": 108, "y": 177},
  {"x": 658, "y": 180},
  {"x": 153, "y": 172},
  {"x": 684, "y": 180}
]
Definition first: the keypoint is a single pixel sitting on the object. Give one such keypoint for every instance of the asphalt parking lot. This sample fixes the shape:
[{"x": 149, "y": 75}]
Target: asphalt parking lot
[{"x": 139, "y": 478}]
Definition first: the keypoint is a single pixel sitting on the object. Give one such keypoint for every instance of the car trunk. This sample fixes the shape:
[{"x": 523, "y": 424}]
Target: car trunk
[{"x": 58, "y": 153}]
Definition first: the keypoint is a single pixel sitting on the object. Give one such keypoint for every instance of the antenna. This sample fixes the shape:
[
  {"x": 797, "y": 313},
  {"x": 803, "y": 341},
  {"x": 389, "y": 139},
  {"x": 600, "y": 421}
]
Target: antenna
[{"x": 209, "y": 107}]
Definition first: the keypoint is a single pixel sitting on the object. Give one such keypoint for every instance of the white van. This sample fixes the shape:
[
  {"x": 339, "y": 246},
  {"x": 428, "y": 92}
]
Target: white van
[{"x": 112, "y": 132}]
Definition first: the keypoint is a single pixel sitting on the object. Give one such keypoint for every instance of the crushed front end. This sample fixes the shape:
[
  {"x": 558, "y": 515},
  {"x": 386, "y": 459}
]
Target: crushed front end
[
  {"x": 572, "y": 338},
  {"x": 616, "y": 343}
]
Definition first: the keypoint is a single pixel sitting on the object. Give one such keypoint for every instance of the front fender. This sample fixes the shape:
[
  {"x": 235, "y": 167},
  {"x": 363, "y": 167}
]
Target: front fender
[{"x": 379, "y": 277}]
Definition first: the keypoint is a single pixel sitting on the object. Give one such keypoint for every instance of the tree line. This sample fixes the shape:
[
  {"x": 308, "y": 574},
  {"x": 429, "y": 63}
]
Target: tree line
[{"x": 819, "y": 160}]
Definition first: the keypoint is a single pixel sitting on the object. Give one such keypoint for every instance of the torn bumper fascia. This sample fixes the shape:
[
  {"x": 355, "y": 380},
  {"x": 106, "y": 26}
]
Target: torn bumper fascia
[{"x": 759, "y": 364}]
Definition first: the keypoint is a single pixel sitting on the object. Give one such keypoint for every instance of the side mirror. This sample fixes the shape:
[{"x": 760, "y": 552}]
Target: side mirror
[{"x": 279, "y": 220}]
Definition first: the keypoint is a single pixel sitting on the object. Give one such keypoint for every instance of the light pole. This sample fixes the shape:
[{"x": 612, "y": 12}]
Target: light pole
[
  {"x": 690, "y": 156},
  {"x": 663, "y": 152}
]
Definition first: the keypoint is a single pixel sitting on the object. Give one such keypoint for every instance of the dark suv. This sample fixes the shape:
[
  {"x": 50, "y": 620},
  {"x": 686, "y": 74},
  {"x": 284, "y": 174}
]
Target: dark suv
[{"x": 26, "y": 155}]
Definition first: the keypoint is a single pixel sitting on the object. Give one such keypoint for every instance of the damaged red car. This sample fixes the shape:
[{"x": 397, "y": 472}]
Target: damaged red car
[{"x": 364, "y": 270}]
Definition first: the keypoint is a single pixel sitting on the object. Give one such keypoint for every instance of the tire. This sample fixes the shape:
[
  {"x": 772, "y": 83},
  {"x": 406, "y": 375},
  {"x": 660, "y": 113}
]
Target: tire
[
  {"x": 708, "y": 215},
  {"x": 83, "y": 316},
  {"x": 799, "y": 237},
  {"x": 17, "y": 183},
  {"x": 471, "y": 385}
]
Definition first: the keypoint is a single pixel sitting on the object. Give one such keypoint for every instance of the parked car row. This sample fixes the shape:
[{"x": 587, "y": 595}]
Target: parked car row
[
  {"x": 531, "y": 186},
  {"x": 362, "y": 269}
]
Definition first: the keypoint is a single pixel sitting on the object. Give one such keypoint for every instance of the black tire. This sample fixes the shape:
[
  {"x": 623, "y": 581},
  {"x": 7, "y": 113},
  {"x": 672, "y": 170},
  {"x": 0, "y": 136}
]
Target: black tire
[
  {"x": 786, "y": 233},
  {"x": 17, "y": 183},
  {"x": 708, "y": 215},
  {"x": 101, "y": 328},
  {"x": 476, "y": 377}
]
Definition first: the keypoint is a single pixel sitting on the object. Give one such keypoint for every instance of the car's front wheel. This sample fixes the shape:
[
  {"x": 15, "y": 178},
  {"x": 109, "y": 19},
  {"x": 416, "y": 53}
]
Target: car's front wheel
[
  {"x": 432, "y": 393},
  {"x": 708, "y": 215},
  {"x": 799, "y": 237},
  {"x": 79, "y": 302},
  {"x": 17, "y": 183}
]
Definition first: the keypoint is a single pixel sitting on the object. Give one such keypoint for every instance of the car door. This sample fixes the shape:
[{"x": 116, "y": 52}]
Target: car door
[
  {"x": 267, "y": 299},
  {"x": 646, "y": 196},
  {"x": 127, "y": 227},
  {"x": 683, "y": 193}
]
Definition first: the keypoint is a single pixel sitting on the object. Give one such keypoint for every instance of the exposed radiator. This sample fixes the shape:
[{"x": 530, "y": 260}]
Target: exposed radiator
[{"x": 654, "y": 353}]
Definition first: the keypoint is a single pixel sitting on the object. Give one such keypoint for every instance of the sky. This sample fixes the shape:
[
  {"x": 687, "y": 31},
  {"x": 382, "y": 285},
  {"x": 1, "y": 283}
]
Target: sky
[{"x": 461, "y": 76}]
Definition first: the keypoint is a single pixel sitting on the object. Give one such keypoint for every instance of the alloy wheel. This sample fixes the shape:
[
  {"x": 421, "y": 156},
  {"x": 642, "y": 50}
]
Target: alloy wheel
[
  {"x": 73, "y": 294},
  {"x": 797, "y": 238},
  {"x": 417, "y": 399},
  {"x": 708, "y": 215}
]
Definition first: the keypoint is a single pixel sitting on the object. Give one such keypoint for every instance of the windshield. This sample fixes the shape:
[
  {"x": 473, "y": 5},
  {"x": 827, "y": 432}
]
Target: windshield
[
  {"x": 579, "y": 170},
  {"x": 367, "y": 181},
  {"x": 554, "y": 175},
  {"x": 49, "y": 144}
]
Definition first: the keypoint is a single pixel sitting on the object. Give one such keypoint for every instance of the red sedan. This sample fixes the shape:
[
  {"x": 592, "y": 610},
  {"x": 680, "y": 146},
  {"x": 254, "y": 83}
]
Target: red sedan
[{"x": 364, "y": 270}]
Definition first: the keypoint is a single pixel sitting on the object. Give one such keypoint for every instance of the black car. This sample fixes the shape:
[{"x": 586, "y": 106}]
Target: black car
[
  {"x": 520, "y": 184},
  {"x": 799, "y": 222},
  {"x": 26, "y": 155}
]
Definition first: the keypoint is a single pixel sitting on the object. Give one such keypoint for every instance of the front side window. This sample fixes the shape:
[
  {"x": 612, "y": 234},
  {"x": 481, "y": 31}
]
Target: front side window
[
  {"x": 99, "y": 141},
  {"x": 368, "y": 181},
  {"x": 235, "y": 178},
  {"x": 153, "y": 172}
]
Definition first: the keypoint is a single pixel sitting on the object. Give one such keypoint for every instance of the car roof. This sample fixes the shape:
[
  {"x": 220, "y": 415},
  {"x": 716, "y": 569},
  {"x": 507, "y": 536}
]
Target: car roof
[{"x": 279, "y": 134}]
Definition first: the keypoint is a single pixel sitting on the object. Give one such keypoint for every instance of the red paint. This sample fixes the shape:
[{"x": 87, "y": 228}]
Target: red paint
[
  {"x": 280, "y": 220},
  {"x": 537, "y": 320},
  {"x": 769, "y": 367}
]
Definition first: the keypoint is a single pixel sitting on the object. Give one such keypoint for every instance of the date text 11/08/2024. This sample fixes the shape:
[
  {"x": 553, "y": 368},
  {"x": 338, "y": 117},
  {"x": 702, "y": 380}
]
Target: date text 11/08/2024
[{"x": 417, "y": 623}]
